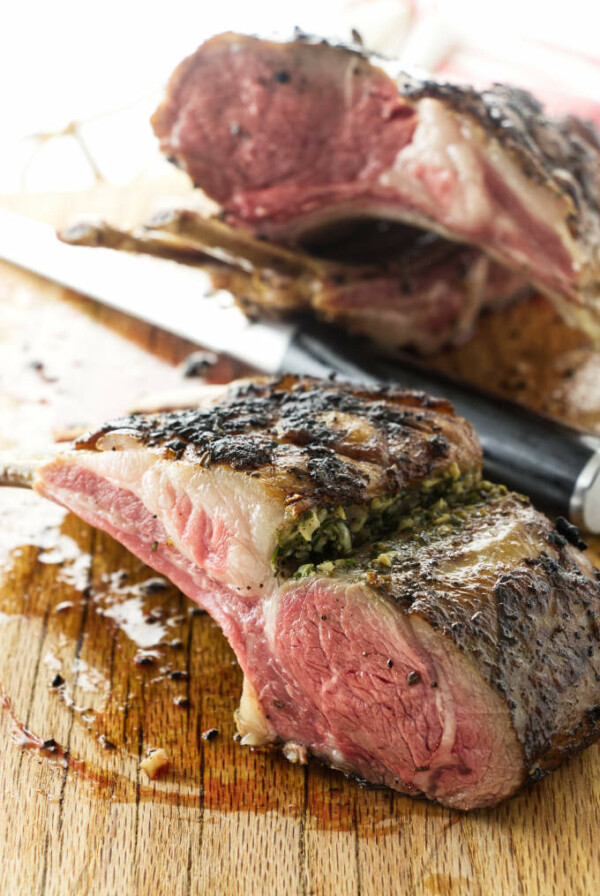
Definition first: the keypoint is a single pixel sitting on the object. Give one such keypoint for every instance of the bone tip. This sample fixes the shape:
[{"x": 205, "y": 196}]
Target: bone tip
[
  {"x": 162, "y": 219},
  {"x": 17, "y": 472},
  {"x": 82, "y": 233}
]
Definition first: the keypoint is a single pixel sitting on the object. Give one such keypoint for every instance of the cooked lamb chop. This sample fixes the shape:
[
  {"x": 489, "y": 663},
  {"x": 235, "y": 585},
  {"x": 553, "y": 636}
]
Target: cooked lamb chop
[
  {"x": 289, "y": 137},
  {"x": 394, "y": 615},
  {"x": 269, "y": 477},
  {"x": 401, "y": 287}
]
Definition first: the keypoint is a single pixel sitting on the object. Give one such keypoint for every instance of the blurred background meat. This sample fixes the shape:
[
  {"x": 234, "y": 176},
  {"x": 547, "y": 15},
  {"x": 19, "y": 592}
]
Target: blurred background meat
[{"x": 87, "y": 117}]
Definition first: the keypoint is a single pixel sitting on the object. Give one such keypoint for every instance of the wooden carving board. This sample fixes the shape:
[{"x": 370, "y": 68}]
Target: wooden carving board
[{"x": 79, "y": 817}]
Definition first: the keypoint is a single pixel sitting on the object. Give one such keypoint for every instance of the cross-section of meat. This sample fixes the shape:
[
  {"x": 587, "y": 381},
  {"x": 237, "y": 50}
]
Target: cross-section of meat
[
  {"x": 290, "y": 137},
  {"x": 437, "y": 663},
  {"x": 268, "y": 477},
  {"x": 394, "y": 615}
]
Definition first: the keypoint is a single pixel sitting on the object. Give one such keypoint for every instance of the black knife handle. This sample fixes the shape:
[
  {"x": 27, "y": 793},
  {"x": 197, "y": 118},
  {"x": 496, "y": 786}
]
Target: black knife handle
[{"x": 554, "y": 464}]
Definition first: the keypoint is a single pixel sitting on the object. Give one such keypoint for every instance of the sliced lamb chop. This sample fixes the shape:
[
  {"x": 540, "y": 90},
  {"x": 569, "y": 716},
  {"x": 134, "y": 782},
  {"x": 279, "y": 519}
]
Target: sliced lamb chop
[
  {"x": 394, "y": 615},
  {"x": 292, "y": 136},
  {"x": 265, "y": 477},
  {"x": 403, "y": 288}
]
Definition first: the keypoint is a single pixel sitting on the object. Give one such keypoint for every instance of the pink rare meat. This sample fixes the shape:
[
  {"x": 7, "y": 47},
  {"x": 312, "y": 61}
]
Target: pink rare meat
[{"x": 394, "y": 615}]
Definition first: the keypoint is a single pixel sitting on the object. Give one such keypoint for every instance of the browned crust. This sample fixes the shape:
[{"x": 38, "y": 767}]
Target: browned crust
[
  {"x": 529, "y": 623},
  {"x": 558, "y": 153},
  {"x": 316, "y": 441},
  {"x": 548, "y": 661}
]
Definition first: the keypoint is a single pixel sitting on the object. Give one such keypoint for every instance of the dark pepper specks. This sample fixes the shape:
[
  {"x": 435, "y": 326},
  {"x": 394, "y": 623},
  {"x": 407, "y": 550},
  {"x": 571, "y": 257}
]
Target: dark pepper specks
[
  {"x": 571, "y": 533},
  {"x": 283, "y": 77},
  {"x": 556, "y": 540},
  {"x": 210, "y": 734},
  {"x": 413, "y": 678},
  {"x": 302, "y": 428},
  {"x": 440, "y": 446},
  {"x": 178, "y": 675},
  {"x": 57, "y": 681}
]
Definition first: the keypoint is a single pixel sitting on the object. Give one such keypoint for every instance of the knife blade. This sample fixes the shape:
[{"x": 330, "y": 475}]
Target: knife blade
[
  {"x": 556, "y": 465},
  {"x": 169, "y": 295}
]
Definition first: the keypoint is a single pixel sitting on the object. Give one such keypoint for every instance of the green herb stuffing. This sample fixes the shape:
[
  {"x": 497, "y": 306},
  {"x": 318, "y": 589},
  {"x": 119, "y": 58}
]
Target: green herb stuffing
[
  {"x": 421, "y": 523},
  {"x": 331, "y": 533}
]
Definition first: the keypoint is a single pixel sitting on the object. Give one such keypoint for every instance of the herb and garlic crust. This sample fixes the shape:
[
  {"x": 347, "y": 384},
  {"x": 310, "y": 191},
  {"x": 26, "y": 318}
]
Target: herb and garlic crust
[{"x": 395, "y": 615}]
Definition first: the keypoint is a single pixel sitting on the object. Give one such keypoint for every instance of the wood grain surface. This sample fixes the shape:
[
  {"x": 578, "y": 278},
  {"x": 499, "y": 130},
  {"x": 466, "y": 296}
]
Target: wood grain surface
[{"x": 102, "y": 661}]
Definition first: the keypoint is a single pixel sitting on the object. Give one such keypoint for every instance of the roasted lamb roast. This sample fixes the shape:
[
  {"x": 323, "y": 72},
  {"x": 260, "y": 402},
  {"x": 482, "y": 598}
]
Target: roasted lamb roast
[
  {"x": 296, "y": 138},
  {"x": 394, "y": 615}
]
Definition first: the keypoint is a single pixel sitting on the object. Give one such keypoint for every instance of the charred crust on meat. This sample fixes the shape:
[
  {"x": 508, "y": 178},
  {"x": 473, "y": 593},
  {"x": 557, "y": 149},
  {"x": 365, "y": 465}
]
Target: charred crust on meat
[
  {"x": 440, "y": 446},
  {"x": 333, "y": 476},
  {"x": 241, "y": 453},
  {"x": 571, "y": 533},
  {"x": 556, "y": 595},
  {"x": 534, "y": 641},
  {"x": 302, "y": 426},
  {"x": 469, "y": 572},
  {"x": 556, "y": 540},
  {"x": 560, "y": 153},
  {"x": 559, "y": 157}
]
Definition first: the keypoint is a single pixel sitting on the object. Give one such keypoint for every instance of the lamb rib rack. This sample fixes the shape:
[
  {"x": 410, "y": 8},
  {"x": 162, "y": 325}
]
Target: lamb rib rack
[
  {"x": 394, "y": 615},
  {"x": 294, "y": 137}
]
